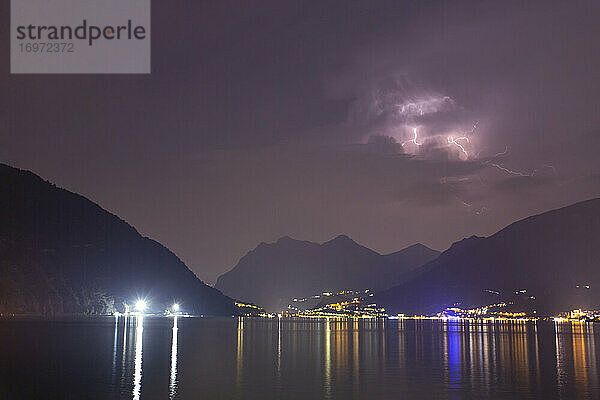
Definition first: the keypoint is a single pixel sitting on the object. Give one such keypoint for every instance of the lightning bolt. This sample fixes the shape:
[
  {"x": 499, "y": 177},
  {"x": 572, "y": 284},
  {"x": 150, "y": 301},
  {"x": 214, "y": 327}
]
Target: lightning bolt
[
  {"x": 472, "y": 131},
  {"x": 469, "y": 206},
  {"x": 505, "y": 152},
  {"x": 510, "y": 171},
  {"x": 414, "y": 139},
  {"x": 519, "y": 173},
  {"x": 454, "y": 141}
]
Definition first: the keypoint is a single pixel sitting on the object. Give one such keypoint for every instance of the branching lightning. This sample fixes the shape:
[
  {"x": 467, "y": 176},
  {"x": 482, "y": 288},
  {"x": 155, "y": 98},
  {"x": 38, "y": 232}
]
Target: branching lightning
[
  {"x": 455, "y": 141},
  {"x": 462, "y": 141},
  {"x": 469, "y": 206},
  {"x": 414, "y": 139},
  {"x": 514, "y": 172},
  {"x": 510, "y": 171}
]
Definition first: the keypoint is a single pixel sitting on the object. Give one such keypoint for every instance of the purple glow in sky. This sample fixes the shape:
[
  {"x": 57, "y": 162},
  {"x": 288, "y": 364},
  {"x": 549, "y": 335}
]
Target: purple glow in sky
[{"x": 299, "y": 118}]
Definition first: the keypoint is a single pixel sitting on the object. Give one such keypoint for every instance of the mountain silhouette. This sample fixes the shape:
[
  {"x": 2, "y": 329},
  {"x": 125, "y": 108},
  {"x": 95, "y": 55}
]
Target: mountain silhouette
[
  {"x": 62, "y": 254},
  {"x": 552, "y": 259},
  {"x": 272, "y": 274}
]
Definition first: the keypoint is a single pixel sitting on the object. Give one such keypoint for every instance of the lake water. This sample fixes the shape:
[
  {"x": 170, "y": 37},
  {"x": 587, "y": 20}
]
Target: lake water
[{"x": 242, "y": 358}]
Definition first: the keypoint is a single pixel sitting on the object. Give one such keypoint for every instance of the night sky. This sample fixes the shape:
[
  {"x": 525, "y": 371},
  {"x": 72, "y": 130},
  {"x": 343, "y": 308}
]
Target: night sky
[{"x": 392, "y": 122}]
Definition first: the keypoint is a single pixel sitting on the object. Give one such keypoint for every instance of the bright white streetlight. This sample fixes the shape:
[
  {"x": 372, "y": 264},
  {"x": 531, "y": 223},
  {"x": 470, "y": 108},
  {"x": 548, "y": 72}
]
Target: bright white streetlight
[
  {"x": 175, "y": 307},
  {"x": 141, "y": 305}
]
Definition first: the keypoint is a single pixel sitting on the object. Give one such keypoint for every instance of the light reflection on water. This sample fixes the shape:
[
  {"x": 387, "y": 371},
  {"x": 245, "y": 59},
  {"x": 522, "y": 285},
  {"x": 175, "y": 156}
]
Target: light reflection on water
[
  {"x": 241, "y": 358},
  {"x": 173, "y": 380},
  {"x": 138, "y": 362},
  {"x": 137, "y": 375},
  {"x": 576, "y": 358}
]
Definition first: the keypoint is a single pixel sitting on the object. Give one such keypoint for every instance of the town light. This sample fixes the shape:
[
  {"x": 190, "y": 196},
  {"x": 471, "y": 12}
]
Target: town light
[
  {"x": 141, "y": 305},
  {"x": 175, "y": 307}
]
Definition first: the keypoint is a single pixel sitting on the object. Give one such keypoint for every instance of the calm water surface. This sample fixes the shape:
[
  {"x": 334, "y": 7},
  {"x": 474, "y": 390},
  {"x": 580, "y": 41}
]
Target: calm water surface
[{"x": 241, "y": 358}]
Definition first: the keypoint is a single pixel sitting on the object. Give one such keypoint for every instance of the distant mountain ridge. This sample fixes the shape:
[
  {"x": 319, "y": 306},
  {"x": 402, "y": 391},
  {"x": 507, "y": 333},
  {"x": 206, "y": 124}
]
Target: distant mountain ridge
[
  {"x": 60, "y": 253},
  {"x": 553, "y": 257},
  {"x": 272, "y": 274}
]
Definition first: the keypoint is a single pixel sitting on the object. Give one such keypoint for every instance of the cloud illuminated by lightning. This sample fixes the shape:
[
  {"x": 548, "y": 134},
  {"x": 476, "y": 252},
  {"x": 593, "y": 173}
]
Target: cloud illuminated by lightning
[
  {"x": 422, "y": 107},
  {"x": 408, "y": 112}
]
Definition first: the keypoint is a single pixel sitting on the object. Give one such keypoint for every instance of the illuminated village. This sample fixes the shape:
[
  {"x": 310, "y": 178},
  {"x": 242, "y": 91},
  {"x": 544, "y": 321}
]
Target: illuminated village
[{"x": 356, "y": 304}]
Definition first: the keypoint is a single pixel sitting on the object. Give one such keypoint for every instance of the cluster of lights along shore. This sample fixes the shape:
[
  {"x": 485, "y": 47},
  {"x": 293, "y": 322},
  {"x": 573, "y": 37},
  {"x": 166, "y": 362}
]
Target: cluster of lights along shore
[
  {"x": 356, "y": 307},
  {"x": 142, "y": 305},
  {"x": 357, "y": 304}
]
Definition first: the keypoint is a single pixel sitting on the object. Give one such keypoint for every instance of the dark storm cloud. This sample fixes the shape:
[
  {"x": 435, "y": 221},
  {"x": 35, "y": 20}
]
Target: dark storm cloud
[
  {"x": 264, "y": 119},
  {"x": 518, "y": 184}
]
